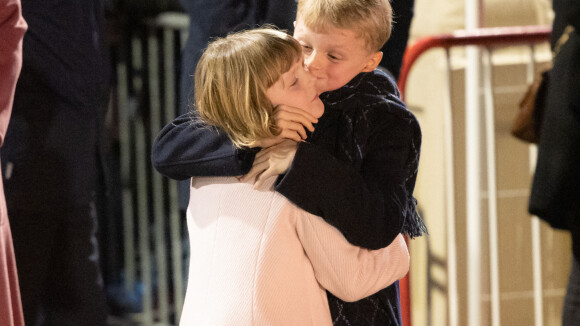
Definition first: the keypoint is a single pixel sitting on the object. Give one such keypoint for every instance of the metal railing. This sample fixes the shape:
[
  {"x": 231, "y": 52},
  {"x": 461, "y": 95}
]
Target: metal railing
[
  {"x": 155, "y": 248},
  {"x": 485, "y": 40}
]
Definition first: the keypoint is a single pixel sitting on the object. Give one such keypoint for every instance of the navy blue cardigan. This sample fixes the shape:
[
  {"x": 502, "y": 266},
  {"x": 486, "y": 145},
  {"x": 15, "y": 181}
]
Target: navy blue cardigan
[{"x": 357, "y": 170}]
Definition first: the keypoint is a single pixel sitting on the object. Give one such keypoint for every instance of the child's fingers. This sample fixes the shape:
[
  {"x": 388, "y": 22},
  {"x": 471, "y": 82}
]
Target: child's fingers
[
  {"x": 259, "y": 181},
  {"x": 291, "y": 135},
  {"x": 261, "y": 178},
  {"x": 266, "y": 174},
  {"x": 286, "y": 113},
  {"x": 256, "y": 169},
  {"x": 246, "y": 177},
  {"x": 291, "y": 127},
  {"x": 298, "y": 111},
  {"x": 296, "y": 118},
  {"x": 261, "y": 157}
]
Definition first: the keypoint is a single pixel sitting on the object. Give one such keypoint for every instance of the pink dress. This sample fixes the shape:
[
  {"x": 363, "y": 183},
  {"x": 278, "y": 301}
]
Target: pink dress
[{"x": 12, "y": 28}]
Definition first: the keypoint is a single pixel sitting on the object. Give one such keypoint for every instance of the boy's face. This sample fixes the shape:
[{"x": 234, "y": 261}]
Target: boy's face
[{"x": 334, "y": 57}]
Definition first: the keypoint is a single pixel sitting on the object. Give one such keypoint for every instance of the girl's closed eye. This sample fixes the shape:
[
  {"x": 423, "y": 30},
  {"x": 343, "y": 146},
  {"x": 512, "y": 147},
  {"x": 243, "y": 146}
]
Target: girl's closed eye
[
  {"x": 333, "y": 57},
  {"x": 294, "y": 82}
]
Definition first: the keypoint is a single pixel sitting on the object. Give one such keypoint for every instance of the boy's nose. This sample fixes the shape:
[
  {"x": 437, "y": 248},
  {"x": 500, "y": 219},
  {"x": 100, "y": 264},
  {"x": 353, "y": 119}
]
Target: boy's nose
[{"x": 312, "y": 61}]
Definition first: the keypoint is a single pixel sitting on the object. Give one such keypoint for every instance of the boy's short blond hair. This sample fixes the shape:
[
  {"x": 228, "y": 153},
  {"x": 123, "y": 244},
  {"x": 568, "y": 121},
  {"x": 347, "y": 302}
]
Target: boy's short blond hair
[
  {"x": 232, "y": 77},
  {"x": 370, "y": 19}
]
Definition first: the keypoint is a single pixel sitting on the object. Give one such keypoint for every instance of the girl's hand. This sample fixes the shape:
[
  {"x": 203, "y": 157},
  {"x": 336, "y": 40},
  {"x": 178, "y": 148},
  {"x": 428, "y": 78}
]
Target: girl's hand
[
  {"x": 293, "y": 123},
  {"x": 271, "y": 161}
]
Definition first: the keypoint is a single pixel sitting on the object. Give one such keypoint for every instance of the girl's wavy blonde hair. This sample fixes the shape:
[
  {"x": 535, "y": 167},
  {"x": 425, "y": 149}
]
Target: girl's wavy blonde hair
[{"x": 232, "y": 77}]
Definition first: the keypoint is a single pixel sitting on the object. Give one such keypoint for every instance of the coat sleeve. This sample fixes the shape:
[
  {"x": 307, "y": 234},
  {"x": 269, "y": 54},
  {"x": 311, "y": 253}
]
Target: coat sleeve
[
  {"x": 349, "y": 272},
  {"x": 184, "y": 149},
  {"x": 281, "y": 13},
  {"x": 370, "y": 204},
  {"x": 568, "y": 12},
  {"x": 12, "y": 28}
]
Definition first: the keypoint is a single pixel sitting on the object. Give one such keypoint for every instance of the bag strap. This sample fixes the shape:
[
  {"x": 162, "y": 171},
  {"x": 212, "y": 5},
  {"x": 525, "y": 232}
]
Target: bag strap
[{"x": 562, "y": 40}]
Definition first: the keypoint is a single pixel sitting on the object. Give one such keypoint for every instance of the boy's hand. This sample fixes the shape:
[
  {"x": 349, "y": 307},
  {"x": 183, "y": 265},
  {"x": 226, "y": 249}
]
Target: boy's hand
[
  {"x": 293, "y": 123},
  {"x": 271, "y": 161}
]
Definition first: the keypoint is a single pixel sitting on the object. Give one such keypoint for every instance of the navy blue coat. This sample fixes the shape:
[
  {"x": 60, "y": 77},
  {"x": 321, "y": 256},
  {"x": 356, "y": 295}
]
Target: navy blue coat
[{"x": 555, "y": 195}]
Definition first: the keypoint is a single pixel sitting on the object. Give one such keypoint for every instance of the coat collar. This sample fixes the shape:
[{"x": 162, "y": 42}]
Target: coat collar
[{"x": 374, "y": 83}]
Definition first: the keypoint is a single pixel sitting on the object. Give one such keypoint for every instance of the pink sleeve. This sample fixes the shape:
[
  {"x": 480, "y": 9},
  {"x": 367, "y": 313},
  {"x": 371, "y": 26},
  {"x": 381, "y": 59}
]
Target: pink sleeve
[
  {"x": 12, "y": 28},
  {"x": 349, "y": 272}
]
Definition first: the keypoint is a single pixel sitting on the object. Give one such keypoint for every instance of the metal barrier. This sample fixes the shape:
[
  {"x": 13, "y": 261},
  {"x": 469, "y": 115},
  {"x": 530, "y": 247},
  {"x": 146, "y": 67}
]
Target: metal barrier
[
  {"x": 154, "y": 248},
  {"x": 487, "y": 40}
]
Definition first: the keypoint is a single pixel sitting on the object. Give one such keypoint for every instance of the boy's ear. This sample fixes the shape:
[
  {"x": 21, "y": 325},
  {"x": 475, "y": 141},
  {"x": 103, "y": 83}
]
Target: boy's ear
[{"x": 373, "y": 62}]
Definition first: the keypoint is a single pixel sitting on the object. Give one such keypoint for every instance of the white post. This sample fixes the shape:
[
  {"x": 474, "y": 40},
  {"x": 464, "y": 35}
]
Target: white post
[
  {"x": 491, "y": 191},
  {"x": 473, "y": 168},
  {"x": 453, "y": 318},
  {"x": 535, "y": 223}
]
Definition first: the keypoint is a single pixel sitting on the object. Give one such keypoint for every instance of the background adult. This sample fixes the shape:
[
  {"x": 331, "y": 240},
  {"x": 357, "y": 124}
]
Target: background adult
[
  {"x": 12, "y": 28},
  {"x": 51, "y": 162},
  {"x": 555, "y": 190},
  {"x": 394, "y": 49}
]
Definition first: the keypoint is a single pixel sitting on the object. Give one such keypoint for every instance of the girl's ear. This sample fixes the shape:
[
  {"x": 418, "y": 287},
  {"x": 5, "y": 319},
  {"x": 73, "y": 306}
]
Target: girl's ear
[{"x": 373, "y": 62}]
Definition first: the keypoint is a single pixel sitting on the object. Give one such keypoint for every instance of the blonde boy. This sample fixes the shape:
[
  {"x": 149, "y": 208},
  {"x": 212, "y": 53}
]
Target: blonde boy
[
  {"x": 357, "y": 170},
  {"x": 342, "y": 38},
  {"x": 367, "y": 194}
]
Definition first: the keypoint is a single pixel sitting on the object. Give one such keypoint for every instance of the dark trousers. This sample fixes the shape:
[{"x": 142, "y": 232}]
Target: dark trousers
[
  {"x": 571, "y": 311},
  {"x": 58, "y": 266}
]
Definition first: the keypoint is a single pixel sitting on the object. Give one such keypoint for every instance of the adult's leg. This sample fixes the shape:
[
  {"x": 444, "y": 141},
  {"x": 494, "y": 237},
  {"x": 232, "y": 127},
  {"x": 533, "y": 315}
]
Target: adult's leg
[
  {"x": 571, "y": 310},
  {"x": 74, "y": 293},
  {"x": 33, "y": 234}
]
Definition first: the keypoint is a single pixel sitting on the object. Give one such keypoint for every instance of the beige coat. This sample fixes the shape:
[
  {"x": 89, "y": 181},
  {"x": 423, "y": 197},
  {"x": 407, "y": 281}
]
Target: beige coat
[{"x": 257, "y": 259}]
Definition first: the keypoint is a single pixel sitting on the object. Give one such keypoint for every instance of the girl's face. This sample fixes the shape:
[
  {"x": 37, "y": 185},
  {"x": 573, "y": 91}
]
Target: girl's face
[{"x": 296, "y": 88}]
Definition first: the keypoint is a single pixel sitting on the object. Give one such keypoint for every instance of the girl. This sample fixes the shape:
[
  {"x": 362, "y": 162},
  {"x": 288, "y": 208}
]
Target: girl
[{"x": 256, "y": 258}]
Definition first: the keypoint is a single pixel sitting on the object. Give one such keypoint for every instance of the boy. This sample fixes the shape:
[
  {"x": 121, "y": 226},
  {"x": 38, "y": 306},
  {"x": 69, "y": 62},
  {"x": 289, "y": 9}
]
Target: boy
[{"x": 357, "y": 170}]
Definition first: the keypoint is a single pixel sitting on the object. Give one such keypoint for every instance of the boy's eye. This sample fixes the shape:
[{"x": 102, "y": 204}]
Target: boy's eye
[
  {"x": 294, "y": 82},
  {"x": 306, "y": 48}
]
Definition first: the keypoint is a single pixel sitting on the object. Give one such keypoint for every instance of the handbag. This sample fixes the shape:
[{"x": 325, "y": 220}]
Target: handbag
[{"x": 527, "y": 124}]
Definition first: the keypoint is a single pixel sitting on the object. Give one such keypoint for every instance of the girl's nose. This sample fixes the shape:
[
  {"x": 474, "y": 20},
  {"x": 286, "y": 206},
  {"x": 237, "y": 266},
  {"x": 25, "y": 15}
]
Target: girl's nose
[{"x": 309, "y": 78}]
